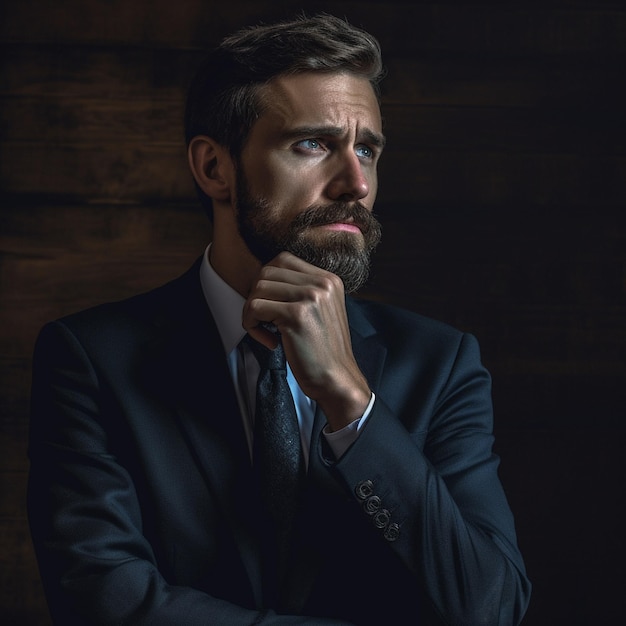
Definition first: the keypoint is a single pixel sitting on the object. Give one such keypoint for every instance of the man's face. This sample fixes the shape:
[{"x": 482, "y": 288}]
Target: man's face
[{"x": 307, "y": 178}]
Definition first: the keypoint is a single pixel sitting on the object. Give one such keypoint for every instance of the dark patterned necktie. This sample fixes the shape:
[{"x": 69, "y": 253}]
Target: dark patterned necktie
[{"x": 277, "y": 458}]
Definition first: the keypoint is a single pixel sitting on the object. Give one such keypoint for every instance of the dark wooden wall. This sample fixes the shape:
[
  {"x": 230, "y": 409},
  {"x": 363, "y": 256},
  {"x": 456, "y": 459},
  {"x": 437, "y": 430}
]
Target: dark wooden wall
[{"x": 503, "y": 193}]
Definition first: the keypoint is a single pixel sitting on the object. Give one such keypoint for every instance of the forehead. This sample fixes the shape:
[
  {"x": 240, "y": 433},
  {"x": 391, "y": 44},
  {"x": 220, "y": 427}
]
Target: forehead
[{"x": 317, "y": 99}]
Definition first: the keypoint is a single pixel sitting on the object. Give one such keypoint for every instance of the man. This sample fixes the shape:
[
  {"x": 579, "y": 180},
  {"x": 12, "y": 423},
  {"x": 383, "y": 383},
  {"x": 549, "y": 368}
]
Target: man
[{"x": 147, "y": 497}]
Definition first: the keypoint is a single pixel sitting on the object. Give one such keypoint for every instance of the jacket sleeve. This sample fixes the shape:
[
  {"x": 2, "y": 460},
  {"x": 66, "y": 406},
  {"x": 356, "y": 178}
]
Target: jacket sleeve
[
  {"x": 86, "y": 522},
  {"x": 430, "y": 486}
]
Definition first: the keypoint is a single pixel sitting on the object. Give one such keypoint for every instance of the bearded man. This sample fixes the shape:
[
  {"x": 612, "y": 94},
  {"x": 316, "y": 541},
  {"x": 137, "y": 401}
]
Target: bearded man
[{"x": 176, "y": 478}]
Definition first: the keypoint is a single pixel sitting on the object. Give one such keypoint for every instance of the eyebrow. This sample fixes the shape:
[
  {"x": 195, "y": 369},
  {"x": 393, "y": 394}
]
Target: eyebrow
[{"x": 376, "y": 139}]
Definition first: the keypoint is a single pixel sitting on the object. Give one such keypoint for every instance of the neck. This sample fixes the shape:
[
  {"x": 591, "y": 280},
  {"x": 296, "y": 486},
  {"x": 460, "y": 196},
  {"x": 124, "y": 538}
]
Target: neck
[{"x": 234, "y": 264}]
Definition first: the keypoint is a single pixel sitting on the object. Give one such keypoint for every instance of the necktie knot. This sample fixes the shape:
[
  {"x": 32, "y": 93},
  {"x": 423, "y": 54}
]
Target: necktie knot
[{"x": 268, "y": 359}]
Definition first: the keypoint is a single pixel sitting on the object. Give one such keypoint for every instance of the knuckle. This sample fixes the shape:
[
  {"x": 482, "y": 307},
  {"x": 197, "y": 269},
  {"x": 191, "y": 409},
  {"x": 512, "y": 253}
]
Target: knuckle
[
  {"x": 253, "y": 306},
  {"x": 329, "y": 284},
  {"x": 316, "y": 294},
  {"x": 265, "y": 273}
]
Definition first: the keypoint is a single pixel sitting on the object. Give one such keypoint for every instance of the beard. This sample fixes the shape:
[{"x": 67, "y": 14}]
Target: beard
[{"x": 342, "y": 253}]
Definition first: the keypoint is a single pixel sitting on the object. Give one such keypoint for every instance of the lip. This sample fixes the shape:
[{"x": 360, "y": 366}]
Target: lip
[{"x": 342, "y": 226}]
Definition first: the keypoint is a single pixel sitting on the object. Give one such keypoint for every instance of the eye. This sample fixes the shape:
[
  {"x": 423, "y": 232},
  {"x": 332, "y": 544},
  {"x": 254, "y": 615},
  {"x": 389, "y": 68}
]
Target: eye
[
  {"x": 364, "y": 152},
  {"x": 309, "y": 144}
]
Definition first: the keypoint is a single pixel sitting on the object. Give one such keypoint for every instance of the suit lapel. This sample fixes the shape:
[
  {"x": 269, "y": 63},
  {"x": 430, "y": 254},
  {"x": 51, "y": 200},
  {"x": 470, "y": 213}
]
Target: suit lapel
[
  {"x": 369, "y": 352},
  {"x": 193, "y": 374}
]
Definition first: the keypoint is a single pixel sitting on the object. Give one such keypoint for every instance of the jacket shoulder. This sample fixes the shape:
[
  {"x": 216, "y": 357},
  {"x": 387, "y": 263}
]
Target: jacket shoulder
[{"x": 135, "y": 317}]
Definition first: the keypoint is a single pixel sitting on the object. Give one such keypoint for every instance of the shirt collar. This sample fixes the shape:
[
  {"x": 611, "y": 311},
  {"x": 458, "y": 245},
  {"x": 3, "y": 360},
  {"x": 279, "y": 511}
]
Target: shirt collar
[{"x": 225, "y": 304}]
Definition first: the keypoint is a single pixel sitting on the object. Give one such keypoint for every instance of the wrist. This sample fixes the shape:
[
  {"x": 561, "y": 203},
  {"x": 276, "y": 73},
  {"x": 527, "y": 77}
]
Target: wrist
[{"x": 343, "y": 407}]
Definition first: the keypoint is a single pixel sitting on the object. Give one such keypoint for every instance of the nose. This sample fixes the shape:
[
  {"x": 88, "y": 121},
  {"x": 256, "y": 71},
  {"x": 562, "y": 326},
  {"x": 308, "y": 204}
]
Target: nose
[{"x": 348, "y": 182}]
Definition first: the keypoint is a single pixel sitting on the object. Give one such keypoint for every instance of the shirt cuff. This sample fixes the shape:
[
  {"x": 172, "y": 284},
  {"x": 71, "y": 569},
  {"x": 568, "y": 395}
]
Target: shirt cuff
[{"x": 340, "y": 440}]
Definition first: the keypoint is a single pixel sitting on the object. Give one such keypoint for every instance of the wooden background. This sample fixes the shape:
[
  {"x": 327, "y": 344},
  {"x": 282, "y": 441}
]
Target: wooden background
[{"x": 502, "y": 200}]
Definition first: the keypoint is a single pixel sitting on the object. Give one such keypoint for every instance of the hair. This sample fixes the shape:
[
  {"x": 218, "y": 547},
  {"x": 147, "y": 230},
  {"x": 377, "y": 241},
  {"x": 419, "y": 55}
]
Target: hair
[{"x": 223, "y": 101}]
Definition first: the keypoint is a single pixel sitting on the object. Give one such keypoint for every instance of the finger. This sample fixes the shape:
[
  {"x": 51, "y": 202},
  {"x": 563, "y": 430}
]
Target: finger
[
  {"x": 260, "y": 311},
  {"x": 264, "y": 336},
  {"x": 288, "y": 275}
]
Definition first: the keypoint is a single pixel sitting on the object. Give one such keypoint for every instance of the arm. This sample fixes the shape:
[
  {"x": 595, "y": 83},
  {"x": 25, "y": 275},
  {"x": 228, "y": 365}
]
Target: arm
[
  {"x": 446, "y": 515},
  {"x": 427, "y": 462},
  {"x": 97, "y": 566}
]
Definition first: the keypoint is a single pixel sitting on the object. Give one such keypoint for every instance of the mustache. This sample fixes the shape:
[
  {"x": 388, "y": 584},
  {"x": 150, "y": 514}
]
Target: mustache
[{"x": 320, "y": 215}]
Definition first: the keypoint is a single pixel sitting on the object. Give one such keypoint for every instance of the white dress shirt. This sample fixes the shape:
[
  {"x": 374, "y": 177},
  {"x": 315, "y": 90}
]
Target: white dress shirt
[{"x": 226, "y": 306}]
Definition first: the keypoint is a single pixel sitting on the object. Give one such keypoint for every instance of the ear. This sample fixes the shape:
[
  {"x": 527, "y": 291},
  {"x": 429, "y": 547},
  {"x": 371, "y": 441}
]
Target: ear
[{"x": 212, "y": 167}]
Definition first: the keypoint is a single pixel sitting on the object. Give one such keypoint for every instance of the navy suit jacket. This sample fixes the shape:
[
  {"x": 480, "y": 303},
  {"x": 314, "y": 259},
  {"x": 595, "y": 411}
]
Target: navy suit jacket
[{"x": 141, "y": 503}]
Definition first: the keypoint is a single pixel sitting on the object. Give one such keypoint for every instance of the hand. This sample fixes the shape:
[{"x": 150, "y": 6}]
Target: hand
[{"x": 307, "y": 306}]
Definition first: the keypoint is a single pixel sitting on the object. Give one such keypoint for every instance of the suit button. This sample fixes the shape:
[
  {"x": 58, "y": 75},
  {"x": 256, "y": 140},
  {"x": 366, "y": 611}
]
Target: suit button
[
  {"x": 364, "y": 489},
  {"x": 392, "y": 532},
  {"x": 382, "y": 518},
  {"x": 372, "y": 504}
]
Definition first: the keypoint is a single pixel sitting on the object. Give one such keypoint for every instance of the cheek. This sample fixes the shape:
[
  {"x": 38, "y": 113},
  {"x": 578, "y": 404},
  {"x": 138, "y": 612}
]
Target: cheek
[
  {"x": 285, "y": 180},
  {"x": 372, "y": 182},
  {"x": 292, "y": 188},
  {"x": 373, "y": 188}
]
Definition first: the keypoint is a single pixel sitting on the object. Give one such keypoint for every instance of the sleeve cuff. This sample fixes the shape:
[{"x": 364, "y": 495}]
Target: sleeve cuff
[{"x": 340, "y": 440}]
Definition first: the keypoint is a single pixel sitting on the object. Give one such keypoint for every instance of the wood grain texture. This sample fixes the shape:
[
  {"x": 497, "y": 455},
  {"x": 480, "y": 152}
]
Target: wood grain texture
[{"x": 502, "y": 199}]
